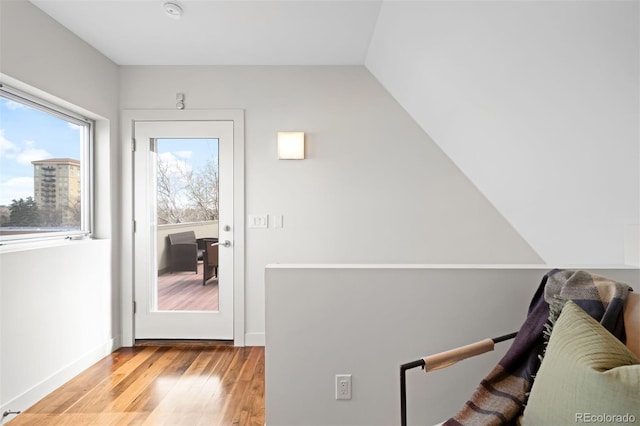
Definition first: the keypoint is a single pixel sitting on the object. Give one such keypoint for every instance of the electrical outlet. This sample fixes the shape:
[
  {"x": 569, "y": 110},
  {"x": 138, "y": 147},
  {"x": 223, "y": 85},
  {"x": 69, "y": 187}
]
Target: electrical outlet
[{"x": 343, "y": 386}]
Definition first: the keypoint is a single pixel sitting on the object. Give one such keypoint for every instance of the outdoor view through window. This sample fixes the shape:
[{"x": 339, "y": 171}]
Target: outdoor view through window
[
  {"x": 41, "y": 171},
  {"x": 187, "y": 178}
]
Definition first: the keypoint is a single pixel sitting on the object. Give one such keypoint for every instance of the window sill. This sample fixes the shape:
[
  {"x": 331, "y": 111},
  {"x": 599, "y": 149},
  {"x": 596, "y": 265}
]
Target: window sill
[{"x": 42, "y": 244}]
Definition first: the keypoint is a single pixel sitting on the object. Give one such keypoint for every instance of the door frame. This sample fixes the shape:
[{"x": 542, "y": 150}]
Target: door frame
[
  {"x": 127, "y": 120},
  {"x": 151, "y": 322}
]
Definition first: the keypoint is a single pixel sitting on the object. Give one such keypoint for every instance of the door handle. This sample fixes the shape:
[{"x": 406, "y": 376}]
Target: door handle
[{"x": 226, "y": 243}]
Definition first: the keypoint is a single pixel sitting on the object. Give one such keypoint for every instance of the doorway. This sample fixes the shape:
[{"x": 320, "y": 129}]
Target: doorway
[{"x": 183, "y": 202}]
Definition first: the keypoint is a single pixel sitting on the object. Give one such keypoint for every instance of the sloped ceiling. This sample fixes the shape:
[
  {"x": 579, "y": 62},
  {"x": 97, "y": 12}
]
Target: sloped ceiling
[{"x": 536, "y": 102}]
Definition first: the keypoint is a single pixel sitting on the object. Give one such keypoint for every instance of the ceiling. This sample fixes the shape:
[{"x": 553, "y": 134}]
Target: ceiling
[{"x": 222, "y": 32}]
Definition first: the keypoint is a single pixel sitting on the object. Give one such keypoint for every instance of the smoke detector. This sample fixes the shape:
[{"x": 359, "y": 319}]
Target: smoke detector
[{"x": 173, "y": 10}]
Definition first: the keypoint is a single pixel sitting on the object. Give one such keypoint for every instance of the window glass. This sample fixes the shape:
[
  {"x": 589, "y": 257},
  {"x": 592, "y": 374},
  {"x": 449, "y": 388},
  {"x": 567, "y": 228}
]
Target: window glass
[{"x": 44, "y": 169}]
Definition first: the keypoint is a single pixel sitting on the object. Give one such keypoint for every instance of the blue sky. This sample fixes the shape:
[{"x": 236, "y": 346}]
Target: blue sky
[
  {"x": 27, "y": 134},
  {"x": 195, "y": 152}
]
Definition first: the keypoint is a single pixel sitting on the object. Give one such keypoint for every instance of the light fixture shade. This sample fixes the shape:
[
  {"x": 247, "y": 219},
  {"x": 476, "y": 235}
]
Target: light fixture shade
[{"x": 291, "y": 145}]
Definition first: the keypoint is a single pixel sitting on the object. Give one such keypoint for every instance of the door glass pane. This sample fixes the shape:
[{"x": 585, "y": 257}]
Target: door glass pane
[{"x": 187, "y": 224}]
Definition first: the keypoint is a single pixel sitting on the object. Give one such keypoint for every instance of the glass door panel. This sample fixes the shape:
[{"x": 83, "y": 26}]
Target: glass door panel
[{"x": 187, "y": 181}]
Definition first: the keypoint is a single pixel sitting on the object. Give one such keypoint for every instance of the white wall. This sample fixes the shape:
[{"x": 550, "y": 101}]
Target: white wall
[
  {"x": 536, "y": 102},
  {"x": 632, "y": 245},
  {"x": 374, "y": 187},
  {"x": 59, "y": 310},
  {"x": 368, "y": 320},
  {"x": 55, "y": 317}
]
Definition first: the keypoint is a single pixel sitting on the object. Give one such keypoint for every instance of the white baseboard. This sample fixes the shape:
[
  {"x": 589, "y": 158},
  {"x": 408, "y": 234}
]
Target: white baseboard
[
  {"x": 254, "y": 339},
  {"x": 38, "y": 391},
  {"x": 115, "y": 343}
]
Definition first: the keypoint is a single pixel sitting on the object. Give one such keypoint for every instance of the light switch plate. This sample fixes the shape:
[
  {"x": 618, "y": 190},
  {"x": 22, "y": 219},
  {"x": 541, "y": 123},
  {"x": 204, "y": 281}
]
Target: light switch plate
[
  {"x": 275, "y": 221},
  {"x": 258, "y": 221}
]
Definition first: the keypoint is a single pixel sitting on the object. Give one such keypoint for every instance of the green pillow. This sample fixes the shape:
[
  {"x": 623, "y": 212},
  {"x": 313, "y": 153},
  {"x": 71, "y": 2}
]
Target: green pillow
[{"x": 587, "y": 376}]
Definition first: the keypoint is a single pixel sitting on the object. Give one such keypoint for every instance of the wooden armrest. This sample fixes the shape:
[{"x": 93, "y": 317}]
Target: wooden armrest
[
  {"x": 450, "y": 357},
  {"x": 442, "y": 360}
]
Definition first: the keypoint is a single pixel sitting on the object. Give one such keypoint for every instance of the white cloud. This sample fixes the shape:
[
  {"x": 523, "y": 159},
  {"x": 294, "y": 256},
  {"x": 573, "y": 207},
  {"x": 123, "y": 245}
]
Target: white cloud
[
  {"x": 30, "y": 154},
  {"x": 175, "y": 166},
  {"x": 73, "y": 126},
  {"x": 14, "y": 105},
  {"x": 7, "y": 148},
  {"x": 183, "y": 154},
  {"x": 16, "y": 188},
  {"x": 22, "y": 155},
  {"x": 167, "y": 157}
]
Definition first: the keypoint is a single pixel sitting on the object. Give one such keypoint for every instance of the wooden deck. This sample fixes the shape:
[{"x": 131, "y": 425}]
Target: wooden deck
[
  {"x": 183, "y": 291},
  {"x": 179, "y": 385}
]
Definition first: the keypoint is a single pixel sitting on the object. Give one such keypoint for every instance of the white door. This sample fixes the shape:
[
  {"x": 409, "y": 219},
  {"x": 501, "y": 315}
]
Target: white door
[{"x": 173, "y": 150}]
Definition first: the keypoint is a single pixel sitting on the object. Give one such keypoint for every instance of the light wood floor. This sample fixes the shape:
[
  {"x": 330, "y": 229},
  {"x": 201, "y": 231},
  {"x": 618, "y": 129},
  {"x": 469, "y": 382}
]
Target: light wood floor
[
  {"x": 183, "y": 291},
  {"x": 153, "y": 385}
]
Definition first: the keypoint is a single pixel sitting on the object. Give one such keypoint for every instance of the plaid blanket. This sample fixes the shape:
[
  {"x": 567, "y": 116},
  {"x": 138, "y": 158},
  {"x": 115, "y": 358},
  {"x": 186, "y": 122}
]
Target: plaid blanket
[{"x": 501, "y": 396}]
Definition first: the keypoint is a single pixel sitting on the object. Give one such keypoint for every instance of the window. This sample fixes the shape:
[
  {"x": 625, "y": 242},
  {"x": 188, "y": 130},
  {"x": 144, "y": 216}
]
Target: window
[{"x": 44, "y": 150}]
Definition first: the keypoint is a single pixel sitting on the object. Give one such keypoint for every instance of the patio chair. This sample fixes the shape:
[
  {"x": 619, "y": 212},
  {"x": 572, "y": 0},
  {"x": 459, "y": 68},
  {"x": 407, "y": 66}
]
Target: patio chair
[{"x": 183, "y": 252}]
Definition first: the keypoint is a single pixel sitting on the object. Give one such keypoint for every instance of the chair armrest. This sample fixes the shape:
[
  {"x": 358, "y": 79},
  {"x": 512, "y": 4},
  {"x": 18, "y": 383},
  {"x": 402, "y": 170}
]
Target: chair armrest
[
  {"x": 450, "y": 357},
  {"x": 442, "y": 360}
]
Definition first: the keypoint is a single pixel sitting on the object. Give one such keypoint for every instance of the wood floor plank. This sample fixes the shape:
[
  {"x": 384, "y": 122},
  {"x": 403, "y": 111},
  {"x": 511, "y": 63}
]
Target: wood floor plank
[
  {"x": 206, "y": 395},
  {"x": 190, "y": 390},
  {"x": 67, "y": 395},
  {"x": 184, "y": 385},
  {"x": 104, "y": 391},
  {"x": 241, "y": 410},
  {"x": 160, "y": 386},
  {"x": 184, "y": 291},
  {"x": 255, "y": 404},
  {"x": 140, "y": 380}
]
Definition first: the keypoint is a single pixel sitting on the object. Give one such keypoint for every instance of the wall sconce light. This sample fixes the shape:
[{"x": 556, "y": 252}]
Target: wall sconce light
[{"x": 290, "y": 145}]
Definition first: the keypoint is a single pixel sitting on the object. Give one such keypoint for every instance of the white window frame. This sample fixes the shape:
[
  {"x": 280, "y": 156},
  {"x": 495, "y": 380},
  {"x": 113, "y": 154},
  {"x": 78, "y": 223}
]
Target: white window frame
[{"x": 87, "y": 127}]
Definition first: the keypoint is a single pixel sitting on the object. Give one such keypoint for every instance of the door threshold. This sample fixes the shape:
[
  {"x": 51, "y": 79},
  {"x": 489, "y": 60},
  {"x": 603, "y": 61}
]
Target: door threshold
[{"x": 182, "y": 342}]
